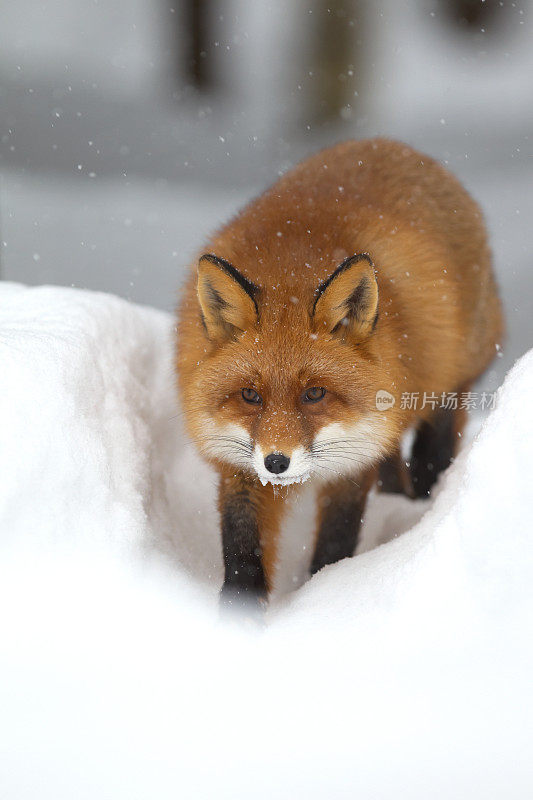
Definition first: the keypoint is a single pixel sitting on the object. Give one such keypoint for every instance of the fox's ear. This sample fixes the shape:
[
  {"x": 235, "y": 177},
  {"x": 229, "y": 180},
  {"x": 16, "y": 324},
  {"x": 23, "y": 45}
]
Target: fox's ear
[
  {"x": 347, "y": 302},
  {"x": 227, "y": 298}
]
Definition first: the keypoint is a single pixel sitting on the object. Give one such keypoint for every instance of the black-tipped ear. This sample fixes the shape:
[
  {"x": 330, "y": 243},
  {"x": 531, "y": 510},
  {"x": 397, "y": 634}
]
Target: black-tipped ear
[
  {"x": 347, "y": 302},
  {"x": 227, "y": 298}
]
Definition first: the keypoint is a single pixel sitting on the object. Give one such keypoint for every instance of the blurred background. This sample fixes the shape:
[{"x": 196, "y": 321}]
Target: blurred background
[{"x": 129, "y": 129}]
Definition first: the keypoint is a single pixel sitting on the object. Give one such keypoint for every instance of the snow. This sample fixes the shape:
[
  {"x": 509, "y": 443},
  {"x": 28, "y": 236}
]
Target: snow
[
  {"x": 279, "y": 481},
  {"x": 403, "y": 672}
]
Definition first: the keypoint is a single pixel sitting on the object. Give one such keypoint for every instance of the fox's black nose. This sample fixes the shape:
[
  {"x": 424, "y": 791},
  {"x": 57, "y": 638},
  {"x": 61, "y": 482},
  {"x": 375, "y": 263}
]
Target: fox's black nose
[{"x": 276, "y": 463}]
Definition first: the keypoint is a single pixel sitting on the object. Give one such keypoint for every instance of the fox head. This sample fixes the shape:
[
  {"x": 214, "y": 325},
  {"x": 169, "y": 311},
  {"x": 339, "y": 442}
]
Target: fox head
[{"x": 288, "y": 383}]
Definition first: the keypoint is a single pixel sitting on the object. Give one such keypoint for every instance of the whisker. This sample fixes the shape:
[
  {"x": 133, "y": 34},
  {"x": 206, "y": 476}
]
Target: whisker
[
  {"x": 345, "y": 439},
  {"x": 338, "y": 474},
  {"x": 356, "y": 454},
  {"x": 241, "y": 443},
  {"x": 334, "y": 459},
  {"x": 340, "y": 443},
  {"x": 350, "y": 450},
  {"x": 227, "y": 438},
  {"x": 228, "y": 451},
  {"x": 346, "y": 443}
]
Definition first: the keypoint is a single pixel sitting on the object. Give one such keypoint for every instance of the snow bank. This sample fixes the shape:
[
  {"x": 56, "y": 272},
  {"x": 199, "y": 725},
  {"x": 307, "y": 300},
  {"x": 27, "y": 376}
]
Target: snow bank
[{"x": 402, "y": 672}]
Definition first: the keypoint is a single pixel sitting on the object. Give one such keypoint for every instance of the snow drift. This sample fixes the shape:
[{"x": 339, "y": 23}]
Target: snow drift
[{"x": 404, "y": 671}]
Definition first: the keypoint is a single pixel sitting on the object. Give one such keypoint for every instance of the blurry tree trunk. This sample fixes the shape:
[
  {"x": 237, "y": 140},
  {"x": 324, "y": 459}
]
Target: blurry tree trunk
[
  {"x": 490, "y": 18},
  {"x": 335, "y": 61},
  {"x": 474, "y": 13},
  {"x": 199, "y": 40}
]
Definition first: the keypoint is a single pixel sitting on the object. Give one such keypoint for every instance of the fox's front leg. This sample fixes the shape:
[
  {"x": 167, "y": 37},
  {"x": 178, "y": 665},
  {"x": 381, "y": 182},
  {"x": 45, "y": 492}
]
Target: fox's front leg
[
  {"x": 249, "y": 516},
  {"x": 340, "y": 509}
]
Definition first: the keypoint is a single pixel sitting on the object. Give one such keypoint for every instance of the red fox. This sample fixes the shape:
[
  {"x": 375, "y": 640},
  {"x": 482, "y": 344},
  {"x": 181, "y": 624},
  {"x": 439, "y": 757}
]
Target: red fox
[{"x": 364, "y": 273}]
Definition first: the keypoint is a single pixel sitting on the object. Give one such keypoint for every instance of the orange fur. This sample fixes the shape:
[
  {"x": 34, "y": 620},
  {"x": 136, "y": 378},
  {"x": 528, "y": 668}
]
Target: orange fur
[{"x": 428, "y": 269}]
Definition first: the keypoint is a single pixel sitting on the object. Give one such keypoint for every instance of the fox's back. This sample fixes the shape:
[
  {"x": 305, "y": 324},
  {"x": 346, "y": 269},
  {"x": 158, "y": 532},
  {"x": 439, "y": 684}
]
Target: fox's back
[
  {"x": 424, "y": 233},
  {"x": 361, "y": 274}
]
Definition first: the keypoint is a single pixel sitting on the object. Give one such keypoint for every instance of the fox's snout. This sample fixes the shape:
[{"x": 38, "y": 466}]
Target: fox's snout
[
  {"x": 277, "y": 467},
  {"x": 277, "y": 463}
]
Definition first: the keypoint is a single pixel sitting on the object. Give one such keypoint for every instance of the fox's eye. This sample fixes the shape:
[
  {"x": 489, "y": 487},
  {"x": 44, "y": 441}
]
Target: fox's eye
[
  {"x": 314, "y": 394},
  {"x": 251, "y": 396}
]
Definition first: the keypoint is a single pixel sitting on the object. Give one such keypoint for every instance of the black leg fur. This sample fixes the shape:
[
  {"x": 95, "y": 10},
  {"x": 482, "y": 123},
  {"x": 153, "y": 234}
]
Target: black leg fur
[
  {"x": 244, "y": 578},
  {"x": 339, "y": 522},
  {"x": 389, "y": 478},
  {"x": 433, "y": 450},
  {"x": 394, "y": 477}
]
